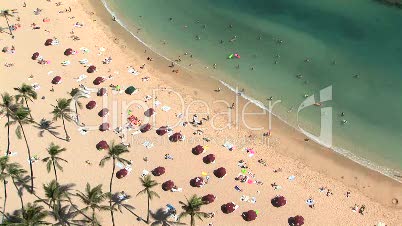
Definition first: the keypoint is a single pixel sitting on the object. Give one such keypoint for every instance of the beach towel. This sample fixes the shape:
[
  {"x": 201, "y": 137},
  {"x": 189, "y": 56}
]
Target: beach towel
[
  {"x": 166, "y": 108},
  {"x": 176, "y": 190},
  {"x": 133, "y": 71},
  {"x": 229, "y": 146},
  {"x": 148, "y": 144},
  {"x": 237, "y": 188},
  {"x": 292, "y": 178},
  {"x": 83, "y": 61},
  {"x": 36, "y": 86},
  {"x": 82, "y": 77},
  {"x": 144, "y": 173},
  {"x": 120, "y": 165},
  {"x": 252, "y": 200},
  {"x": 65, "y": 63}
]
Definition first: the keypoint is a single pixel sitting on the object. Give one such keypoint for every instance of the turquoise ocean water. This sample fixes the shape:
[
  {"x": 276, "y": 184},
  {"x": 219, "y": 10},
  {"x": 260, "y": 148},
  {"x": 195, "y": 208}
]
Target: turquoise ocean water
[{"x": 340, "y": 39}]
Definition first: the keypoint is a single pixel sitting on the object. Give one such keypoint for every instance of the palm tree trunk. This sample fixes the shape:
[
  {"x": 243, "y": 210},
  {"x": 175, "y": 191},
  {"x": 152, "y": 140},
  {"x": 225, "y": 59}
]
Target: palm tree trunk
[
  {"x": 76, "y": 111},
  {"x": 19, "y": 194},
  {"x": 8, "y": 134},
  {"x": 29, "y": 156},
  {"x": 65, "y": 130},
  {"x": 110, "y": 189},
  {"x": 93, "y": 216},
  {"x": 9, "y": 28},
  {"x": 5, "y": 199},
  {"x": 148, "y": 210},
  {"x": 55, "y": 172},
  {"x": 26, "y": 102},
  {"x": 192, "y": 222}
]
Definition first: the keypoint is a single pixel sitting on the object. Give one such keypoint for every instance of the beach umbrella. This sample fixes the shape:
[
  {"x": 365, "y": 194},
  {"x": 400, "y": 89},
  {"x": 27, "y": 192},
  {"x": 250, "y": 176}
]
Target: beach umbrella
[
  {"x": 48, "y": 42},
  {"x": 249, "y": 215},
  {"x": 228, "y": 207},
  {"x": 209, "y": 159},
  {"x": 176, "y": 137},
  {"x": 149, "y": 112},
  {"x": 130, "y": 90},
  {"x": 166, "y": 186},
  {"x": 102, "y": 145},
  {"x": 35, "y": 56},
  {"x": 197, "y": 182},
  {"x": 98, "y": 80},
  {"x": 278, "y": 201},
  {"x": 145, "y": 128},
  {"x": 158, "y": 171},
  {"x": 103, "y": 112},
  {"x": 161, "y": 131},
  {"x": 91, "y": 105},
  {"x": 101, "y": 92},
  {"x": 207, "y": 199},
  {"x": 296, "y": 221},
  {"x": 68, "y": 52},
  {"x": 220, "y": 172},
  {"x": 91, "y": 69},
  {"x": 56, "y": 80},
  {"x": 104, "y": 126},
  {"x": 198, "y": 150},
  {"x": 121, "y": 173}
]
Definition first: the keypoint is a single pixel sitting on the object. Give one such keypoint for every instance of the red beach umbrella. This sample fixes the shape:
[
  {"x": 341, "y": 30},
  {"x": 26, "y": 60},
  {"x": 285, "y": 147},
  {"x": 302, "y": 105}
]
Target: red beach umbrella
[
  {"x": 198, "y": 150},
  {"x": 145, "y": 128},
  {"x": 103, "y": 112},
  {"x": 121, "y": 173},
  {"x": 166, "y": 186},
  {"x": 101, "y": 92},
  {"x": 91, "y": 105},
  {"x": 48, "y": 42},
  {"x": 207, "y": 199},
  {"x": 149, "y": 112},
  {"x": 158, "y": 171},
  {"x": 105, "y": 126},
  {"x": 161, "y": 131},
  {"x": 56, "y": 80},
  {"x": 176, "y": 137},
  {"x": 278, "y": 201},
  {"x": 209, "y": 159},
  {"x": 98, "y": 80},
  {"x": 68, "y": 52},
  {"x": 91, "y": 69},
  {"x": 296, "y": 221},
  {"x": 220, "y": 172},
  {"x": 102, "y": 145},
  {"x": 228, "y": 207},
  {"x": 197, "y": 182},
  {"x": 35, "y": 56},
  {"x": 249, "y": 215}
]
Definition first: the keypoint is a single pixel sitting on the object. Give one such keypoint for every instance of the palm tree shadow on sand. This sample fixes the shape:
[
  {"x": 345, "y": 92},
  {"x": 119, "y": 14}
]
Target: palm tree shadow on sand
[{"x": 162, "y": 218}]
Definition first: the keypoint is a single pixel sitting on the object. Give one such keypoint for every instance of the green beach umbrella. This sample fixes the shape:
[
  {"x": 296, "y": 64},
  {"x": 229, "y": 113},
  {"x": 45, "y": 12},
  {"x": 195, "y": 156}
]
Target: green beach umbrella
[{"x": 130, "y": 90}]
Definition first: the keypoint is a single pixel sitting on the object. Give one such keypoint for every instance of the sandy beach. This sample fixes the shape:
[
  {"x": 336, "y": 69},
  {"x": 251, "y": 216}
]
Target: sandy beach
[{"x": 295, "y": 168}]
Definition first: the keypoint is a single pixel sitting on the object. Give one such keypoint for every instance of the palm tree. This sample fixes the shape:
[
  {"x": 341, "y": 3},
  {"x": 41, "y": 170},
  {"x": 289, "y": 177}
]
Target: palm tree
[
  {"x": 119, "y": 203},
  {"x": 6, "y": 14},
  {"x": 32, "y": 215},
  {"x": 26, "y": 92},
  {"x": 4, "y": 164},
  {"x": 148, "y": 184},
  {"x": 53, "y": 159},
  {"x": 65, "y": 215},
  {"x": 56, "y": 193},
  {"x": 162, "y": 218},
  {"x": 21, "y": 117},
  {"x": 46, "y": 125},
  {"x": 7, "y": 106},
  {"x": 17, "y": 176},
  {"x": 192, "y": 208},
  {"x": 77, "y": 94},
  {"x": 93, "y": 199},
  {"x": 114, "y": 154},
  {"x": 62, "y": 110}
]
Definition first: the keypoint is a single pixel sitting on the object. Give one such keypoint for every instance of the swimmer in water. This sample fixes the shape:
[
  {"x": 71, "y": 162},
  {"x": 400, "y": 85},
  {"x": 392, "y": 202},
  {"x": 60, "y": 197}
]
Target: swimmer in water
[
  {"x": 344, "y": 121},
  {"x": 270, "y": 98},
  {"x": 299, "y": 76},
  {"x": 356, "y": 76},
  {"x": 342, "y": 114}
]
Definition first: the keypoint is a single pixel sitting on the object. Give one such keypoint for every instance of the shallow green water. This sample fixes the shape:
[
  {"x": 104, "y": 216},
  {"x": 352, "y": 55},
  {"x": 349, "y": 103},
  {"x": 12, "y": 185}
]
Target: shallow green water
[{"x": 341, "y": 38}]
